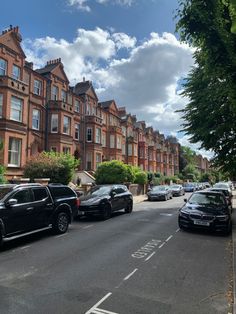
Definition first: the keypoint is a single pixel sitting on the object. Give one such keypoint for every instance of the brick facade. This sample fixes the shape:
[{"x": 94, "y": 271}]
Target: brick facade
[{"x": 40, "y": 111}]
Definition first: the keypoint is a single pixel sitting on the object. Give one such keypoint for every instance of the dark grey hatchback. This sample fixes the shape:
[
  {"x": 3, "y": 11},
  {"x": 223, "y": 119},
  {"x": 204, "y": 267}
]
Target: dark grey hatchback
[
  {"x": 208, "y": 210},
  {"x": 102, "y": 200}
]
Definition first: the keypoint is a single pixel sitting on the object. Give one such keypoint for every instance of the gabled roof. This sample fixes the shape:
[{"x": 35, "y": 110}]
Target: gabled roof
[
  {"x": 55, "y": 67},
  {"x": 11, "y": 38},
  {"x": 85, "y": 87},
  {"x": 110, "y": 104}
]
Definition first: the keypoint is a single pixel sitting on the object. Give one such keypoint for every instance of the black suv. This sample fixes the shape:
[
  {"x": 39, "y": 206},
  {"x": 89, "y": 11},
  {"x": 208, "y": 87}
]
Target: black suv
[
  {"x": 31, "y": 207},
  {"x": 102, "y": 200}
]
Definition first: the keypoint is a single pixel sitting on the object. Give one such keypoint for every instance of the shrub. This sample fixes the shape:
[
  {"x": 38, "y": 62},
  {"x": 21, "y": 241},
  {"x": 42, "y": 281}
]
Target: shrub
[
  {"x": 58, "y": 167},
  {"x": 114, "y": 171},
  {"x": 2, "y": 172}
]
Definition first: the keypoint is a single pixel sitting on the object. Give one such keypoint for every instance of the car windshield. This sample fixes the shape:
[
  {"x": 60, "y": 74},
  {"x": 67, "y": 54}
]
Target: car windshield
[
  {"x": 4, "y": 192},
  {"x": 99, "y": 190},
  {"x": 175, "y": 186},
  {"x": 207, "y": 199},
  {"x": 221, "y": 185},
  {"x": 159, "y": 188}
]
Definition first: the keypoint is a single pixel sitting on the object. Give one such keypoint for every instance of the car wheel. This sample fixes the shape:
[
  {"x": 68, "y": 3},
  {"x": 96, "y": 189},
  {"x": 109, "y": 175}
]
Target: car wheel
[
  {"x": 181, "y": 227},
  {"x": 61, "y": 223},
  {"x": 106, "y": 212},
  {"x": 129, "y": 207}
]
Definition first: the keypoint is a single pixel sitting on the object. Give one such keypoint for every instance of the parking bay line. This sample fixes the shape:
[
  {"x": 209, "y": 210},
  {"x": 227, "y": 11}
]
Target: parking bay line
[
  {"x": 151, "y": 255},
  {"x": 95, "y": 310},
  {"x": 131, "y": 274}
]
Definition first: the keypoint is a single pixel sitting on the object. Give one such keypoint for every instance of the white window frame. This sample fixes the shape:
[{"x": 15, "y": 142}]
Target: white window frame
[
  {"x": 16, "y": 108},
  {"x": 89, "y": 133},
  {"x": 16, "y": 75},
  {"x": 36, "y": 119},
  {"x": 66, "y": 150},
  {"x": 55, "y": 92},
  {"x": 98, "y": 135},
  {"x": 112, "y": 141},
  {"x": 3, "y": 66},
  {"x": 1, "y": 104},
  {"x": 77, "y": 105},
  {"x": 103, "y": 139},
  {"x": 77, "y": 131},
  {"x": 66, "y": 125},
  {"x": 14, "y": 152},
  {"x": 118, "y": 144},
  {"x": 63, "y": 95},
  {"x": 54, "y": 123},
  {"x": 37, "y": 87}
]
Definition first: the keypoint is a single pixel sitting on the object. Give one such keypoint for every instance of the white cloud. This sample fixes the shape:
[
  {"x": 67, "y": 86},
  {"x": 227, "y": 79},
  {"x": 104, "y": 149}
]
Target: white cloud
[
  {"x": 146, "y": 81},
  {"x": 196, "y": 147},
  {"x": 84, "y": 4}
]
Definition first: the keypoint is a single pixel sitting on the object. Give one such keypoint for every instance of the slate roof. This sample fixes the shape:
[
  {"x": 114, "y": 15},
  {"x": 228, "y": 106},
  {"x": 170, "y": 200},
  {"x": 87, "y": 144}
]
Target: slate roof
[
  {"x": 47, "y": 69},
  {"x": 106, "y": 104}
]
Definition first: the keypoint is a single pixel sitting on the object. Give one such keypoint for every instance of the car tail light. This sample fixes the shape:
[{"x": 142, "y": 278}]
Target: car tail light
[{"x": 78, "y": 202}]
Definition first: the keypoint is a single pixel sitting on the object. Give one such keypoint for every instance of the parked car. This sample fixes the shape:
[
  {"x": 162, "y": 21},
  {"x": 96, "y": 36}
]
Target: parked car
[
  {"x": 26, "y": 208},
  {"x": 228, "y": 195},
  {"x": 103, "y": 200},
  {"x": 159, "y": 192},
  {"x": 189, "y": 187},
  {"x": 223, "y": 185},
  {"x": 208, "y": 210},
  {"x": 177, "y": 189}
]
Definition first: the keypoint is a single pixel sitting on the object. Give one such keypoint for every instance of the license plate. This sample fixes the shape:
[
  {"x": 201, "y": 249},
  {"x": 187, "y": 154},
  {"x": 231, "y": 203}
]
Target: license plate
[{"x": 201, "y": 223}]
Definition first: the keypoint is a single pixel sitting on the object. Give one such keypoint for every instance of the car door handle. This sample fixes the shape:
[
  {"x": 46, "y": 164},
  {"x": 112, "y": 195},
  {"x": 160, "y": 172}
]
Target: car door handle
[
  {"x": 49, "y": 204},
  {"x": 29, "y": 208}
]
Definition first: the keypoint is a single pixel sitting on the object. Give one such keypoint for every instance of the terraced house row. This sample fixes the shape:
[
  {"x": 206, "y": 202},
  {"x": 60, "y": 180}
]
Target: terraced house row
[{"x": 39, "y": 110}]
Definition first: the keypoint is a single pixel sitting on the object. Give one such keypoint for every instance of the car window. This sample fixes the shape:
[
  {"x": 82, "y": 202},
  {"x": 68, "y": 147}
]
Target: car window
[
  {"x": 4, "y": 192},
  {"x": 207, "y": 199},
  {"x": 61, "y": 191},
  {"x": 40, "y": 194},
  {"x": 99, "y": 190},
  {"x": 119, "y": 190},
  {"x": 23, "y": 196}
]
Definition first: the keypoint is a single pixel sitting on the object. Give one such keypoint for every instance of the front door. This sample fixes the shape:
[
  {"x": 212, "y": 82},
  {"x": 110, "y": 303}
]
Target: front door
[{"x": 17, "y": 216}]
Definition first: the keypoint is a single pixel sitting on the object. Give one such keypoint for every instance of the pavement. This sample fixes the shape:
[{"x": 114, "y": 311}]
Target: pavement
[{"x": 139, "y": 198}]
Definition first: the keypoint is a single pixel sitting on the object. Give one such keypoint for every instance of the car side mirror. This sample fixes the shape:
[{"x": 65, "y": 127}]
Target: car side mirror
[
  {"x": 185, "y": 200},
  {"x": 113, "y": 193},
  {"x": 11, "y": 202}
]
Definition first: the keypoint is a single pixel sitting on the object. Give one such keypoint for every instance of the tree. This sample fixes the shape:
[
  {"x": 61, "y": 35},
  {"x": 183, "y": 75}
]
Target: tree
[
  {"x": 210, "y": 115},
  {"x": 110, "y": 172},
  {"x": 186, "y": 157},
  {"x": 58, "y": 167}
]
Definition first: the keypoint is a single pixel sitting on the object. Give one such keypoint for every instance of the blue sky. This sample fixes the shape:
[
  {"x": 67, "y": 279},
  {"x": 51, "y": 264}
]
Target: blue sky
[{"x": 127, "y": 48}]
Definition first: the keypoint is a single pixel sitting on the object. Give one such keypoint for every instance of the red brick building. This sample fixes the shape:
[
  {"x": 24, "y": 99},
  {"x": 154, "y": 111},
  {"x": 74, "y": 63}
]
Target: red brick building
[{"x": 39, "y": 110}]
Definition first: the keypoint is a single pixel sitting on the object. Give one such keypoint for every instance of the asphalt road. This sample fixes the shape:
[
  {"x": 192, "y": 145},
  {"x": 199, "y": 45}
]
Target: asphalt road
[{"x": 138, "y": 263}]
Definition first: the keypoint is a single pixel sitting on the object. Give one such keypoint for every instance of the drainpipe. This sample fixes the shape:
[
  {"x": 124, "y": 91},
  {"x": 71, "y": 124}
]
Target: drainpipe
[{"x": 48, "y": 92}]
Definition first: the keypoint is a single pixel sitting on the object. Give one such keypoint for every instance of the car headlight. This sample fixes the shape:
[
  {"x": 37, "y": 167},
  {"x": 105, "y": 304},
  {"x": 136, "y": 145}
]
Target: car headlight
[{"x": 222, "y": 217}]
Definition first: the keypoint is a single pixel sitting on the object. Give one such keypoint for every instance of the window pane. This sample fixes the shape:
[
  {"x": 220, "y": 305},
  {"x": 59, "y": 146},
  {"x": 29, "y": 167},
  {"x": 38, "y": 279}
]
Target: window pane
[
  {"x": 66, "y": 125},
  {"x": 63, "y": 96},
  {"x": 23, "y": 197},
  {"x": 35, "y": 119},
  {"x": 16, "y": 109},
  {"x": 54, "y": 93},
  {"x": 14, "y": 152},
  {"x": 37, "y": 87},
  {"x": 16, "y": 72},
  {"x": 77, "y": 131},
  {"x": 3, "y": 67},
  {"x": 54, "y": 123},
  {"x": 39, "y": 194},
  {"x": 89, "y": 134}
]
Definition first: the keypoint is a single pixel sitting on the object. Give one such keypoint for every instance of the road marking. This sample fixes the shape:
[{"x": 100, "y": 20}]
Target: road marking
[
  {"x": 150, "y": 256},
  {"x": 61, "y": 235},
  {"x": 146, "y": 249},
  {"x": 159, "y": 247},
  {"x": 89, "y": 226},
  {"x": 96, "y": 310},
  {"x": 25, "y": 247},
  {"x": 177, "y": 230},
  {"x": 165, "y": 214},
  {"x": 169, "y": 238},
  {"x": 131, "y": 274}
]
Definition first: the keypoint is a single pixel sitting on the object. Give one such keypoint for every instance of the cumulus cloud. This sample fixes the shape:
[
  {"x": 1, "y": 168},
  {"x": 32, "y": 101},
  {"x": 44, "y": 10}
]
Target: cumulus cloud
[
  {"x": 146, "y": 81},
  {"x": 83, "y": 5}
]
